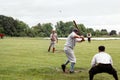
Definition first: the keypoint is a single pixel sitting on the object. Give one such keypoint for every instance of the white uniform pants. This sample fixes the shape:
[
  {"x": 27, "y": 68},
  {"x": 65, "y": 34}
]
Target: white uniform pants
[{"x": 70, "y": 54}]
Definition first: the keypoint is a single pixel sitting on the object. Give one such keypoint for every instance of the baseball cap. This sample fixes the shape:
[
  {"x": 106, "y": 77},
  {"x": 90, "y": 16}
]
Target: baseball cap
[{"x": 75, "y": 30}]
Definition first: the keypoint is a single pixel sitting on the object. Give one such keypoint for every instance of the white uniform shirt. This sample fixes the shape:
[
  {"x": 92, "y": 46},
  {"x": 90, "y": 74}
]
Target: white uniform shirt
[
  {"x": 53, "y": 37},
  {"x": 101, "y": 57},
  {"x": 89, "y": 35},
  {"x": 70, "y": 42}
]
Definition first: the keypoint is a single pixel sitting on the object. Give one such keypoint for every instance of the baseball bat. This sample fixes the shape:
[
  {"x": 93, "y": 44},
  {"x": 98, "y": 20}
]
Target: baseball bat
[
  {"x": 78, "y": 29},
  {"x": 75, "y": 25}
]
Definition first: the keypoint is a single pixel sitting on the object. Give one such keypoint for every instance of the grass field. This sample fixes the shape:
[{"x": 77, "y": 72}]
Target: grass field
[{"x": 28, "y": 59}]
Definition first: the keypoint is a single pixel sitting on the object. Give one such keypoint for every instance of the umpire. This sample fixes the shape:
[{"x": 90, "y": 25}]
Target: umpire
[{"x": 102, "y": 62}]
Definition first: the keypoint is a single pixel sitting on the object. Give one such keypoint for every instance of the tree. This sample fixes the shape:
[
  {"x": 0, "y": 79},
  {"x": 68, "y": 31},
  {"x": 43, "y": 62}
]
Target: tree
[
  {"x": 47, "y": 29},
  {"x": 11, "y": 27},
  {"x": 82, "y": 28},
  {"x": 21, "y": 28},
  {"x": 113, "y": 32},
  {"x": 63, "y": 29},
  {"x": 104, "y": 32},
  {"x": 37, "y": 29},
  {"x": 7, "y": 24},
  {"x": 90, "y": 30},
  {"x": 1, "y": 29},
  {"x": 97, "y": 33},
  {"x": 43, "y": 30}
]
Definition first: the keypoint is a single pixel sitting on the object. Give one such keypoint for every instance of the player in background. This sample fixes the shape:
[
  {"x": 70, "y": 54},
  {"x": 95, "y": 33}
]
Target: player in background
[
  {"x": 54, "y": 40},
  {"x": 89, "y": 37}
]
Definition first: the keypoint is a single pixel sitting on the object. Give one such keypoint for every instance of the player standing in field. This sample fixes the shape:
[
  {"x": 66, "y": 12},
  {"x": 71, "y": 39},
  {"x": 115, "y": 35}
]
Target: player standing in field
[
  {"x": 89, "y": 37},
  {"x": 68, "y": 49},
  {"x": 54, "y": 39}
]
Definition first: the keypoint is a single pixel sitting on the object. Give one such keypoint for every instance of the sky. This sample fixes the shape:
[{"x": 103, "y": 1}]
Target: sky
[{"x": 96, "y": 14}]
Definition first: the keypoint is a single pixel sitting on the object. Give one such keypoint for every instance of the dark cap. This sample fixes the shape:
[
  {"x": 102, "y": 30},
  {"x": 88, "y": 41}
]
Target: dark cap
[{"x": 75, "y": 30}]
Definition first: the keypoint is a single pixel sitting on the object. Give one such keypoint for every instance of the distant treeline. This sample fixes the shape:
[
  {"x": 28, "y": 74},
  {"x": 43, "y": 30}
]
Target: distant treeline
[{"x": 17, "y": 28}]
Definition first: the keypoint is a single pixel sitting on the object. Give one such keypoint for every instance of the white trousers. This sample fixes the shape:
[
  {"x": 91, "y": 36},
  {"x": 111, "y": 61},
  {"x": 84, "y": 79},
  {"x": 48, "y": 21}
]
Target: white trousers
[
  {"x": 70, "y": 54},
  {"x": 53, "y": 43}
]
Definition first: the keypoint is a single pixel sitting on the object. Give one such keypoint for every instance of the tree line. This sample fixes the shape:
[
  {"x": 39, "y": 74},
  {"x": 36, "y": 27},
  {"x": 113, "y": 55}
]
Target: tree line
[{"x": 16, "y": 28}]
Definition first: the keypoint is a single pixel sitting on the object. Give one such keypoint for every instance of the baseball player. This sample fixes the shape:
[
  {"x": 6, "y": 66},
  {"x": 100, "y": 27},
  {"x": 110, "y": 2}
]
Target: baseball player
[
  {"x": 102, "y": 62},
  {"x": 68, "y": 49},
  {"x": 54, "y": 39},
  {"x": 89, "y": 37}
]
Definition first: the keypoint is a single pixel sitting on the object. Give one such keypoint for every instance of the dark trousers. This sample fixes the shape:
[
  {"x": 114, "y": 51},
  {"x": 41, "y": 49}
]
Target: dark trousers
[
  {"x": 107, "y": 68},
  {"x": 89, "y": 39}
]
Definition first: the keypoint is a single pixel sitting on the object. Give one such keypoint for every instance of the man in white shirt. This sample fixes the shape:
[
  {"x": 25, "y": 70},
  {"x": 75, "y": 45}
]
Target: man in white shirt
[
  {"x": 68, "y": 49},
  {"x": 102, "y": 62},
  {"x": 54, "y": 39},
  {"x": 89, "y": 37}
]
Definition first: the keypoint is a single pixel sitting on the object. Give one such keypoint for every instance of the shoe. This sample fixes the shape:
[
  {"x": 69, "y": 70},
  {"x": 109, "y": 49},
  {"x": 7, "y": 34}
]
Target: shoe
[
  {"x": 63, "y": 67},
  {"x": 71, "y": 72},
  {"x": 48, "y": 50}
]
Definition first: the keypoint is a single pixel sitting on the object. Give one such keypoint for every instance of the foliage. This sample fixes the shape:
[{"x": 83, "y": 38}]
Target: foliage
[
  {"x": 63, "y": 29},
  {"x": 104, "y": 32},
  {"x": 16, "y": 28},
  {"x": 82, "y": 28},
  {"x": 90, "y": 30},
  {"x": 11, "y": 27},
  {"x": 113, "y": 32},
  {"x": 43, "y": 30}
]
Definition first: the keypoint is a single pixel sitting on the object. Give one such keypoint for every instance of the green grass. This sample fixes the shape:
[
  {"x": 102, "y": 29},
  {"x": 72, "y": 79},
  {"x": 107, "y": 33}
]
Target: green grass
[{"x": 28, "y": 59}]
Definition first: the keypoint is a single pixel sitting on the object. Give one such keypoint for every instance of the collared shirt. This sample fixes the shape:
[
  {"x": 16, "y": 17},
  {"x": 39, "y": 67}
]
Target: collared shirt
[
  {"x": 53, "y": 37},
  {"x": 89, "y": 35},
  {"x": 70, "y": 42},
  {"x": 102, "y": 58}
]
